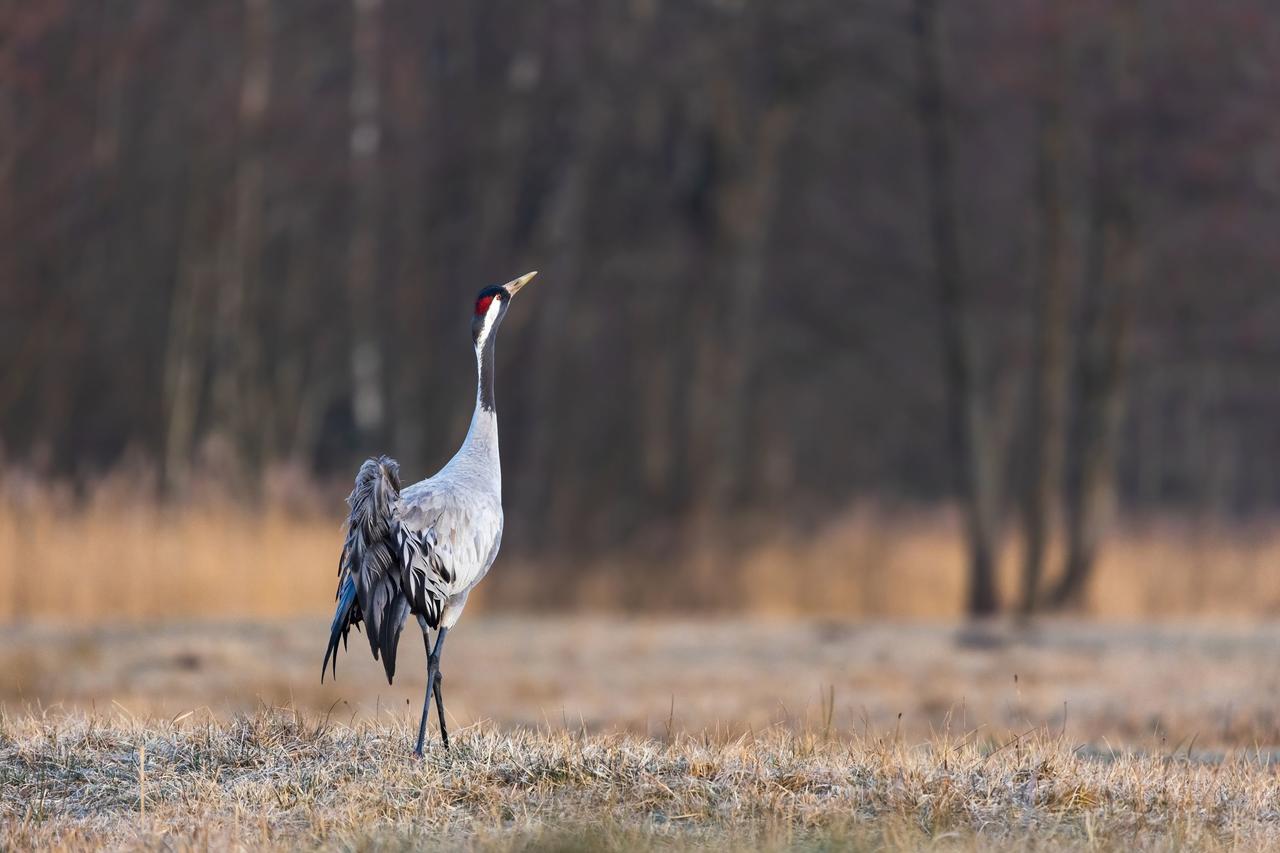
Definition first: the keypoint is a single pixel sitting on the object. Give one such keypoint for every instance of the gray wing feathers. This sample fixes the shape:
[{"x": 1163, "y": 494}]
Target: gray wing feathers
[
  {"x": 383, "y": 559},
  {"x": 364, "y": 568},
  {"x": 370, "y": 558},
  {"x": 410, "y": 552},
  {"x": 419, "y": 580},
  {"x": 460, "y": 531},
  {"x": 388, "y": 568}
]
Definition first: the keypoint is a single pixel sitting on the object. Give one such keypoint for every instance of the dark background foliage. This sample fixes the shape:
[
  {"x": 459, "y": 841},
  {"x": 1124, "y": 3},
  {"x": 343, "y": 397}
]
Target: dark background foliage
[{"x": 238, "y": 236}]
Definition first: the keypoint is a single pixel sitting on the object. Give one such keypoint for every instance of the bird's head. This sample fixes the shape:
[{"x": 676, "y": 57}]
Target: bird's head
[{"x": 491, "y": 307}]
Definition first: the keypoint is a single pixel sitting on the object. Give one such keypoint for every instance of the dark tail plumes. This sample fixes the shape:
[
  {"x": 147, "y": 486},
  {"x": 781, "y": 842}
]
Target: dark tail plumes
[
  {"x": 368, "y": 582},
  {"x": 346, "y": 616}
]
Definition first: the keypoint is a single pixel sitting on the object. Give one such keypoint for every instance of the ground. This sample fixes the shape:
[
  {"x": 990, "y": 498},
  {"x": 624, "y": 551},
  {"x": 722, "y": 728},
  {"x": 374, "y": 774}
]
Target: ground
[
  {"x": 278, "y": 779},
  {"x": 1139, "y": 685},
  {"x": 608, "y": 733}
]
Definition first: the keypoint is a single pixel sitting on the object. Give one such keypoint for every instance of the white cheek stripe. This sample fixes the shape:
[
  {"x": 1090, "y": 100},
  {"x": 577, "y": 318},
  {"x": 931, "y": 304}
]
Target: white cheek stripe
[{"x": 490, "y": 316}]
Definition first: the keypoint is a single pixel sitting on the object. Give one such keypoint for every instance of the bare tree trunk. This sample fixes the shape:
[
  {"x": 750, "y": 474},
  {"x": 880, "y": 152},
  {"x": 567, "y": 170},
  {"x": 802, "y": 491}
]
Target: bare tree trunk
[
  {"x": 747, "y": 211},
  {"x": 304, "y": 380},
  {"x": 1102, "y": 364},
  {"x": 185, "y": 349},
  {"x": 1048, "y": 393},
  {"x": 750, "y": 131},
  {"x": 974, "y": 445},
  {"x": 409, "y": 96},
  {"x": 237, "y": 351},
  {"x": 567, "y": 225},
  {"x": 1100, "y": 378},
  {"x": 368, "y": 395},
  {"x": 10, "y": 145}
]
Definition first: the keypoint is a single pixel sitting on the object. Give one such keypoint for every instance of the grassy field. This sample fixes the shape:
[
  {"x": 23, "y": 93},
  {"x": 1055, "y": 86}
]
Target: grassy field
[
  {"x": 287, "y": 780},
  {"x": 595, "y": 733}
]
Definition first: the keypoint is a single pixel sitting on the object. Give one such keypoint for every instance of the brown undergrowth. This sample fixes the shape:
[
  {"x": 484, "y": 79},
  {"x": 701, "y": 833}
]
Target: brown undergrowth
[{"x": 109, "y": 559}]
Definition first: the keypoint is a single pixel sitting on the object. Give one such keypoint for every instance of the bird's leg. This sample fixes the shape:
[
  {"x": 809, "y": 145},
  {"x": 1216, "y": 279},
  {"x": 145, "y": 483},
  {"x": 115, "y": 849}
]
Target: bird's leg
[
  {"x": 431, "y": 678},
  {"x": 435, "y": 686}
]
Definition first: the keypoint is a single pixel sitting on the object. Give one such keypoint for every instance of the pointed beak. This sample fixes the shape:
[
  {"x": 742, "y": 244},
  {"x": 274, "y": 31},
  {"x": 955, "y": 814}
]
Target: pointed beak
[{"x": 513, "y": 287}]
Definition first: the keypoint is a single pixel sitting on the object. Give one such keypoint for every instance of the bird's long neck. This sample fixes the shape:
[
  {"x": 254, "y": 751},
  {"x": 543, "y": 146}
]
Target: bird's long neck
[
  {"x": 481, "y": 443},
  {"x": 484, "y": 373}
]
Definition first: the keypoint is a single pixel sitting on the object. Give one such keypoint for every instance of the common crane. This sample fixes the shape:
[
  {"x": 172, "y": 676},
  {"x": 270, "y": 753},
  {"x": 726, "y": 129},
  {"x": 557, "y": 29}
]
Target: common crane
[{"x": 421, "y": 550}]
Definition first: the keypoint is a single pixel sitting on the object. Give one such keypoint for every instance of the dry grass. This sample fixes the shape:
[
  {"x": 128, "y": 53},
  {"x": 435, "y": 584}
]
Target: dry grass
[
  {"x": 113, "y": 558},
  {"x": 107, "y": 563},
  {"x": 281, "y": 779}
]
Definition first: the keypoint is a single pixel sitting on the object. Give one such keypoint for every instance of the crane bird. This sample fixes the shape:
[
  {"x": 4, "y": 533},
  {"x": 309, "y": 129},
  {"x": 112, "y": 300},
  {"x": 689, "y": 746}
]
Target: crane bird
[{"x": 422, "y": 549}]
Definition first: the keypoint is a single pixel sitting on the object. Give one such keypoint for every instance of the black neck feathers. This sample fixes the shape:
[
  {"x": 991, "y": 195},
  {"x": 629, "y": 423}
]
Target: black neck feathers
[{"x": 485, "y": 359}]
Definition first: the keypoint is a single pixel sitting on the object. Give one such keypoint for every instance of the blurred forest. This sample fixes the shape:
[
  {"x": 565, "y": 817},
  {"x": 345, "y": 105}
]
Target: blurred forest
[{"x": 1015, "y": 255}]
